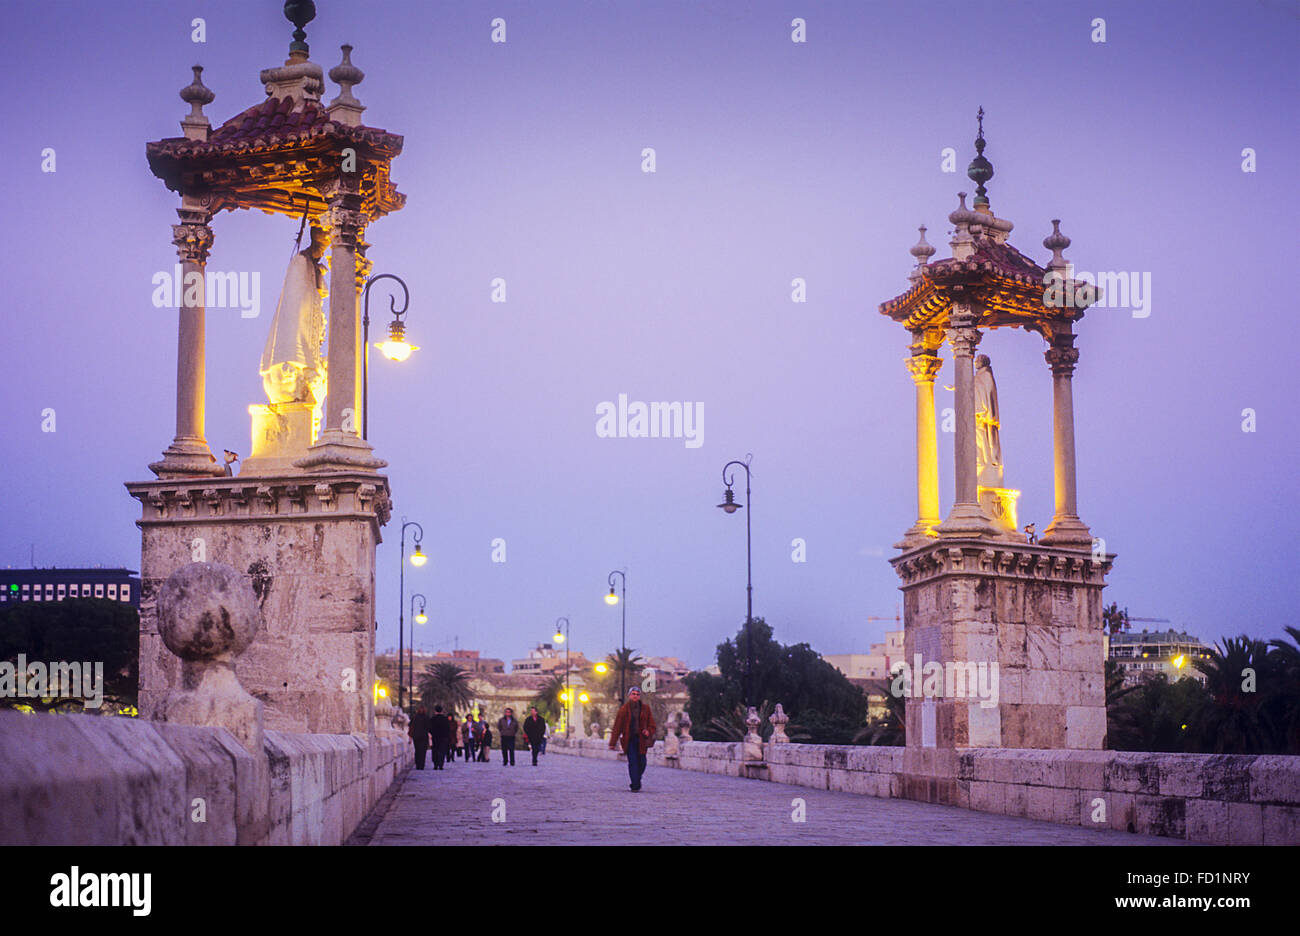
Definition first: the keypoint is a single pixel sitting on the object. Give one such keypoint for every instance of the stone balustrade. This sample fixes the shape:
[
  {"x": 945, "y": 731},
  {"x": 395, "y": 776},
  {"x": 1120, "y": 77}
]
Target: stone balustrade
[{"x": 1222, "y": 799}]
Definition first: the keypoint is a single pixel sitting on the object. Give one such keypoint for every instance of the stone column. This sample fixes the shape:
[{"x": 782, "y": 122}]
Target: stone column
[
  {"x": 189, "y": 455},
  {"x": 965, "y": 518},
  {"x": 924, "y": 366},
  {"x": 1066, "y": 529},
  {"x": 340, "y": 446}
]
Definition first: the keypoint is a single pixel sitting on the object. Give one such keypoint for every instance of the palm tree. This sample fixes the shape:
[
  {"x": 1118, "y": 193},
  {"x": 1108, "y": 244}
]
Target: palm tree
[
  {"x": 625, "y": 668},
  {"x": 890, "y": 728},
  {"x": 445, "y": 684},
  {"x": 1240, "y": 678},
  {"x": 1286, "y": 664},
  {"x": 547, "y": 699}
]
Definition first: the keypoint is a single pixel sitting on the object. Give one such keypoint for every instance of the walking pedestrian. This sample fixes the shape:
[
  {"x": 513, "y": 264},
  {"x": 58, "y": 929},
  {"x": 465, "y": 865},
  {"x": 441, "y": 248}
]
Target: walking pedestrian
[
  {"x": 485, "y": 745},
  {"x": 419, "y": 732},
  {"x": 453, "y": 746},
  {"x": 470, "y": 739},
  {"x": 535, "y": 732},
  {"x": 634, "y": 728},
  {"x": 507, "y": 727},
  {"x": 440, "y": 732},
  {"x": 546, "y": 734}
]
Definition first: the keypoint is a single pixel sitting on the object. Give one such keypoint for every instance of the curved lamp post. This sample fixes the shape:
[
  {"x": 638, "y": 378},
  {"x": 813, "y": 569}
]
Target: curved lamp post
[
  {"x": 418, "y": 558},
  {"x": 613, "y": 599},
  {"x": 418, "y": 618},
  {"x": 562, "y": 636},
  {"x": 730, "y": 506},
  {"x": 396, "y": 348}
]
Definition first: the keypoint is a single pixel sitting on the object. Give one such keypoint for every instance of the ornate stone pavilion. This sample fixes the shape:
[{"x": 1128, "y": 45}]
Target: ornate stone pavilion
[
  {"x": 303, "y": 515},
  {"x": 975, "y": 589}
]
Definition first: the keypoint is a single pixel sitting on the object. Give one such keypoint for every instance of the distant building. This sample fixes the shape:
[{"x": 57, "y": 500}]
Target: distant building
[
  {"x": 1143, "y": 655},
  {"x": 545, "y": 659},
  {"x": 57, "y": 584},
  {"x": 876, "y": 663},
  {"x": 666, "y": 667}
]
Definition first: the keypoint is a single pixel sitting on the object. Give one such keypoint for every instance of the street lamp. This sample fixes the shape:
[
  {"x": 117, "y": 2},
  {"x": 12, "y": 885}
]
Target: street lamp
[
  {"x": 613, "y": 599},
  {"x": 562, "y": 636},
  {"x": 418, "y": 559},
  {"x": 396, "y": 348},
  {"x": 730, "y": 506}
]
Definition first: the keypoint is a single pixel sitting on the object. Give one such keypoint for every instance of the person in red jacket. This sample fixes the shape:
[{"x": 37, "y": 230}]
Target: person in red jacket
[{"x": 634, "y": 729}]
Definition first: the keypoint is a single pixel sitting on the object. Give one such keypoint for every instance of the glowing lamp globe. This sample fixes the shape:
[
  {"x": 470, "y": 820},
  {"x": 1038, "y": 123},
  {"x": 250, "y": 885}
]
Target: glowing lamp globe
[
  {"x": 611, "y": 598},
  {"x": 418, "y": 558}
]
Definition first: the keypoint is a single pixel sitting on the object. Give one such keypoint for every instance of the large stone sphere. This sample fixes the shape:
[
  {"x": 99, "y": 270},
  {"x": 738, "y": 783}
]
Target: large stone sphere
[{"x": 207, "y": 610}]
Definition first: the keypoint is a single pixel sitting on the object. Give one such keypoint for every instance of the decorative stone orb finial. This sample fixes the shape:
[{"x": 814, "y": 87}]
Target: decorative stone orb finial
[
  {"x": 207, "y": 612},
  {"x": 962, "y": 215},
  {"x": 980, "y": 169},
  {"x": 1057, "y": 242},
  {"x": 196, "y": 94},
  {"x": 684, "y": 723},
  {"x": 345, "y": 74},
  {"x": 300, "y": 13}
]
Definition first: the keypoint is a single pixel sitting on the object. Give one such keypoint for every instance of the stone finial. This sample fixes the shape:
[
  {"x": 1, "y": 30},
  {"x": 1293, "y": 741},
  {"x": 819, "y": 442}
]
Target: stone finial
[
  {"x": 672, "y": 744},
  {"x": 345, "y": 108},
  {"x": 207, "y": 616},
  {"x": 300, "y": 13},
  {"x": 980, "y": 169},
  {"x": 751, "y": 749},
  {"x": 779, "y": 719},
  {"x": 1057, "y": 242},
  {"x": 922, "y": 251},
  {"x": 684, "y": 723},
  {"x": 195, "y": 125},
  {"x": 963, "y": 245},
  {"x": 595, "y": 730}
]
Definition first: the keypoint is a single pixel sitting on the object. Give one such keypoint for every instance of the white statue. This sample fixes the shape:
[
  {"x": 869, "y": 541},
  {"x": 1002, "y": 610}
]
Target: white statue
[
  {"x": 988, "y": 447},
  {"x": 292, "y": 368}
]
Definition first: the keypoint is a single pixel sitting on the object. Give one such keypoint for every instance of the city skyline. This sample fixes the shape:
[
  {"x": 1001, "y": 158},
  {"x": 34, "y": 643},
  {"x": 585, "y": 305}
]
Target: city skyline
[{"x": 775, "y": 160}]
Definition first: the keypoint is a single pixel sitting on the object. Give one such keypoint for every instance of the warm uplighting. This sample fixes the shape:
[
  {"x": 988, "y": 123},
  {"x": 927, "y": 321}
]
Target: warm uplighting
[
  {"x": 611, "y": 598},
  {"x": 396, "y": 348},
  {"x": 418, "y": 558},
  {"x": 559, "y": 638},
  {"x": 1179, "y": 661},
  {"x": 583, "y": 697},
  {"x": 729, "y": 502},
  {"x": 601, "y": 668}
]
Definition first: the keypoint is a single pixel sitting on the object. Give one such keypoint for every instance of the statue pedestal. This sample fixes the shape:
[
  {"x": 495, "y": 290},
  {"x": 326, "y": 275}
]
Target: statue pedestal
[
  {"x": 282, "y": 433},
  {"x": 307, "y": 545},
  {"x": 1017, "y": 632},
  {"x": 999, "y": 505}
]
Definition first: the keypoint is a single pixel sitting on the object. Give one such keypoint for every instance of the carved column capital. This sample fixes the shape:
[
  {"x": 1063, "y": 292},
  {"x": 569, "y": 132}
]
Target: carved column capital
[
  {"x": 964, "y": 338},
  {"x": 1062, "y": 356},
  {"x": 193, "y": 237},
  {"x": 346, "y": 224},
  {"x": 924, "y": 367}
]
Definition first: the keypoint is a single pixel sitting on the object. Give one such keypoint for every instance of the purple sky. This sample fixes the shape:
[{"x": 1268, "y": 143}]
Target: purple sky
[{"x": 775, "y": 160}]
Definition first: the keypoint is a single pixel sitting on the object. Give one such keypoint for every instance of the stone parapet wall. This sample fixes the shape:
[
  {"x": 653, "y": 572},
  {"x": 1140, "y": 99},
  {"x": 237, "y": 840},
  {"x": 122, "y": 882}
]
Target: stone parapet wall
[
  {"x": 88, "y": 780},
  {"x": 1217, "y": 799}
]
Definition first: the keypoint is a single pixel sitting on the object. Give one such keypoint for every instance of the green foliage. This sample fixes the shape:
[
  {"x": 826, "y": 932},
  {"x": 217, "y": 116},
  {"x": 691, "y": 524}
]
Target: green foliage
[
  {"x": 76, "y": 629},
  {"x": 1156, "y": 715},
  {"x": 623, "y": 663},
  {"x": 548, "y": 701},
  {"x": 819, "y": 699},
  {"x": 890, "y": 728},
  {"x": 1114, "y": 620}
]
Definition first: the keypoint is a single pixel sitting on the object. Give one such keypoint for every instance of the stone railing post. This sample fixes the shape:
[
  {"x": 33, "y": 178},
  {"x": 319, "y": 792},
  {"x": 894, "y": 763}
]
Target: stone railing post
[
  {"x": 672, "y": 745},
  {"x": 751, "y": 749},
  {"x": 684, "y": 721},
  {"x": 779, "y": 719}
]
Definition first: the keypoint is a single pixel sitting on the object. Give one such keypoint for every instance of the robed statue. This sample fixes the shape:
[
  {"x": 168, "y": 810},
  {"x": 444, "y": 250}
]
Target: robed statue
[
  {"x": 988, "y": 447},
  {"x": 292, "y": 368}
]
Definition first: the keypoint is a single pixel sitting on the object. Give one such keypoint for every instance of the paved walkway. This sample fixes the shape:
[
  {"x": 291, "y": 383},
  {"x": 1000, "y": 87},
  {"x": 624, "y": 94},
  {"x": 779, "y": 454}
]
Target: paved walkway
[{"x": 569, "y": 800}]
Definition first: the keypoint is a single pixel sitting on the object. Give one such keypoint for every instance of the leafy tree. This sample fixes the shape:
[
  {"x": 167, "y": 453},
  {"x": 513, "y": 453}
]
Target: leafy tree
[
  {"x": 94, "y": 630},
  {"x": 1285, "y": 658},
  {"x": 547, "y": 699},
  {"x": 814, "y": 694},
  {"x": 1157, "y": 715},
  {"x": 887, "y": 729},
  {"x": 445, "y": 684}
]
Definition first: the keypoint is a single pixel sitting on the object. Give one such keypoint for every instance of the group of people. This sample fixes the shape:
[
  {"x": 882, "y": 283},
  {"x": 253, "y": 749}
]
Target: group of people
[
  {"x": 447, "y": 738},
  {"x": 634, "y": 730}
]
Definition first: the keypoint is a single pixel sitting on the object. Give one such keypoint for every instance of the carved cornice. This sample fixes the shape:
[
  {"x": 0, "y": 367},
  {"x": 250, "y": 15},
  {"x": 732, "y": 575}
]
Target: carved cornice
[
  {"x": 264, "y": 499},
  {"x": 1002, "y": 560}
]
